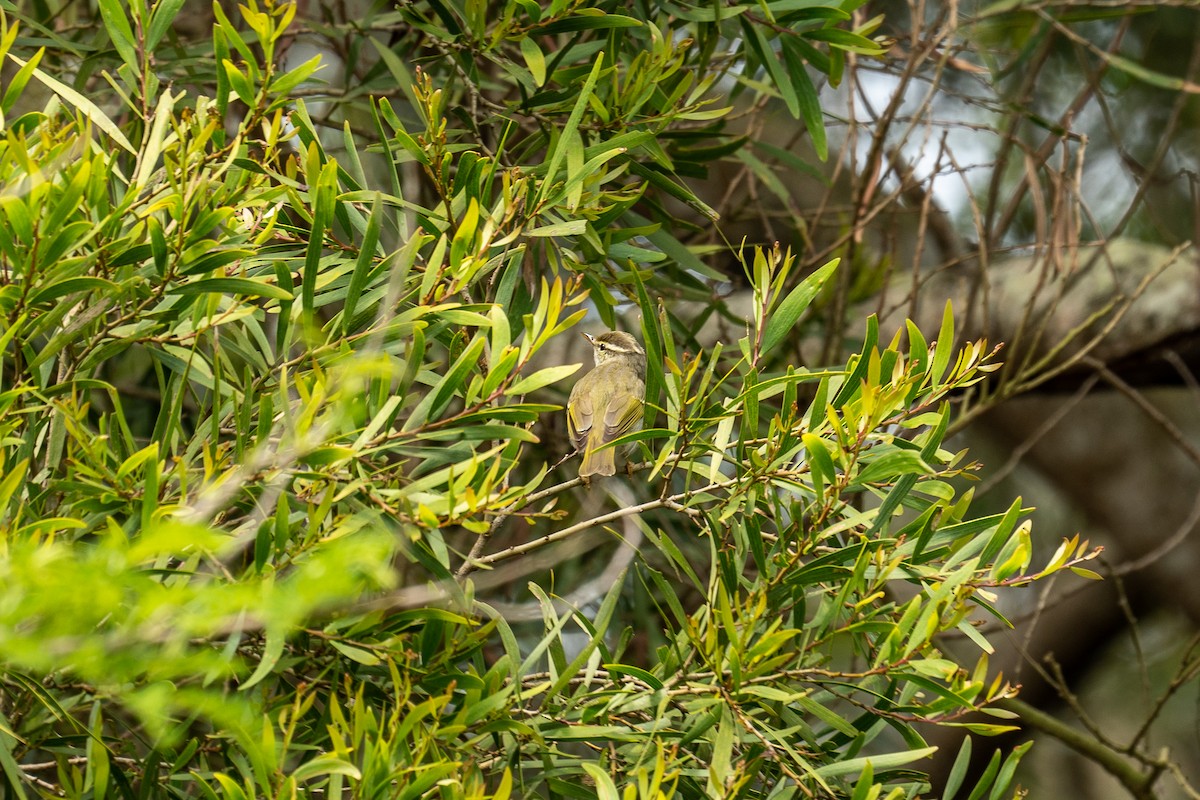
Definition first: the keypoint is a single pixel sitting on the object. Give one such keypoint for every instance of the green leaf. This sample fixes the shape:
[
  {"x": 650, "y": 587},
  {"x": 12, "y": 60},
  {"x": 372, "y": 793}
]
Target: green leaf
[
  {"x": 652, "y": 344},
  {"x": 87, "y": 107},
  {"x": 574, "y": 227},
  {"x": 962, "y": 762},
  {"x": 323, "y": 201},
  {"x": 985, "y": 780},
  {"x": 165, "y": 12},
  {"x": 826, "y": 715},
  {"x": 356, "y": 654},
  {"x": 787, "y": 314},
  {"x": 270, "y": 657},
  {"x": 1008, "y": 522},
  {"x": 866, "y": 781},
  {"x": 18, "y": 82},
  {"x": 681, "y": 255},
  {"x": 238, "y": 80},
  {"x": 635, "y": 672},
  {"x": 71, "y": 286},
  {"x": 479, "y": 432},
  {"x": 845, "y": 40},
  {"x": 589, "y": 22},
  {"x": 137, "y": 459},
  {"x": 855, "y": 766},
  {"x": 209, "y": 262},
  {"x": 362, "y": 265},
  {"x": 671, "y": 185},
  {"x": 643, "y": 435},
  {"x": 289, "y": 80},
  {"x": 605, "y": 788},
  {"x": 325, "y": 765},
  {"x": 534, "y": 60},
  {"x": 454, "y": 380},
  {"x": 9, "y": 483},
  {"x": 806, "y": 96},
  {"x": 777, "y": 70},
  {"x": 12, "y": 771},
  {"x": 463, "y": 243},
  {"x": 116, "y": 23},
  {"x": 1005, "y": 777},
  {"x": 569, "y": 130},
  {"x": 852, "y": 385},
  {"x": 543, "y": 377},
  {"x": 249, "y": 287},
  {"x": 944, "y": 346},
  {"x": 820, "y": 463},
  {"x": 99, "y": 765}
]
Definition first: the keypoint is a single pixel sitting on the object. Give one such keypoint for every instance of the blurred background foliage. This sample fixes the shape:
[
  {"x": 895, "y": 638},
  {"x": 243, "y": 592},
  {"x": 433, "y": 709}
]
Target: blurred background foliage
[{"x": 286, "y": 292}]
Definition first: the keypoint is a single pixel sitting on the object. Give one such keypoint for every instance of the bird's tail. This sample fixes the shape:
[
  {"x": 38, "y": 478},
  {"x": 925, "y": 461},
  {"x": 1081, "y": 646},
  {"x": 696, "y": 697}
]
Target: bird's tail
[{"x": 596, "y": 461}]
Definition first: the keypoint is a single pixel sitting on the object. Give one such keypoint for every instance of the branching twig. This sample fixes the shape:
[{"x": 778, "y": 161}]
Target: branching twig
[
  {"x": 640, "y": 508},
  {"x": 1140, "y": 784}
]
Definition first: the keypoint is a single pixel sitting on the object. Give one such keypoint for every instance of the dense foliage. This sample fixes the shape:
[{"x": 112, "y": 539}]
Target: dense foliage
[{"x": 279, "y": 419}]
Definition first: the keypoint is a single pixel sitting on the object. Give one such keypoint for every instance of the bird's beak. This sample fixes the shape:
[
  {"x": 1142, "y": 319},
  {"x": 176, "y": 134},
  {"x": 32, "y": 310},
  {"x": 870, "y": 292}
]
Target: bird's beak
[{"x": 591, "y": 339}]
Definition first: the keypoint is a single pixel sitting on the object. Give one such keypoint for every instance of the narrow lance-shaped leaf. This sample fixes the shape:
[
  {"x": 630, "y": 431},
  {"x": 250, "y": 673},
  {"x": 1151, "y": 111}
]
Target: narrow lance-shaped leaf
[
  {"x": 574, "y": 227},
  {"x": 9, "y": 484},
  {"x": 784, "y": 318},
  {"x": 120, "y": 32},
  {"x": 845, "y": 40},
  {"x": 571, "y": 127},
  {"x": 944, "y": 347},
  {"x": 322, "y": 212},
  {"x": 534, "y": 60},
  {"x": 853, "y": 766},
  {"x": 604, "y": 786},
  {"x": 652, "y": 344},
  {"x": 1008, "y": 770},
  {"x": 806, "y": 95},
  {"x": 543, "y": 377},
  {"x": 270, "y": 657},
  {"x": 17, "y": 83},
  {"x": 8, "y": 763},
  {"x": 778, "y": 72},
  {"x": 589, "y": 23},
  {"x": 69, "y": 286},
  {"x": 362, "y": 265},
  {"x": 87, "y": 107},
  {"x": 164, "y": 14},
  {"x": 249, "y": 287},
  {"x": 958, "y": 772},
  {"x": 454, "y": 380}
]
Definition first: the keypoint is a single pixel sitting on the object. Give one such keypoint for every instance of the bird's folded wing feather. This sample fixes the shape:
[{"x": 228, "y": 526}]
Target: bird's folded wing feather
[
  {"x": 621, "y": 416},
  {"x": 579, "y": 420}
]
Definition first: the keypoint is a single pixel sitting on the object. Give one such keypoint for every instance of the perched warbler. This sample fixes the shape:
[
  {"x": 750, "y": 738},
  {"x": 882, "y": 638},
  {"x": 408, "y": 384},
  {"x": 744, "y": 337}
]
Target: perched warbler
[{"x": 607, "y": 402}]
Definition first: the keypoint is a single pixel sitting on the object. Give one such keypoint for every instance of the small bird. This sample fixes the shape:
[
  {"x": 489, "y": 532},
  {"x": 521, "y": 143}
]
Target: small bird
[{"x": 607, "y": 402}]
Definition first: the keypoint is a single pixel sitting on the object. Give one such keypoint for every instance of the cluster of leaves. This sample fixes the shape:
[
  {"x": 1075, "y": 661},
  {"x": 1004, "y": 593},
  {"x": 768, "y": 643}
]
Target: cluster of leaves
[{"x": 263, "y": 423}]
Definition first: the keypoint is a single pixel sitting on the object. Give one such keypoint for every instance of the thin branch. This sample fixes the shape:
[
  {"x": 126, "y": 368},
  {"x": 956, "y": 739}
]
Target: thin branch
[
  {"x": 1187, "y": 672},
  {"x": 1168, "y": 427},
  {"x": 472, "y": 559},
  {"x": 1050, "y": 423},
  {"x": 1139, "y": 784},
  {"x": 640, "y": 508}
]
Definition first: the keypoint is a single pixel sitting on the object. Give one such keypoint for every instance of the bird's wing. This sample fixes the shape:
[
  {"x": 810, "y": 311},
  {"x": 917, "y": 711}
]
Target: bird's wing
[
  {"x": 622, "y": 416},
  {"x": 579, "y": 418}
]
